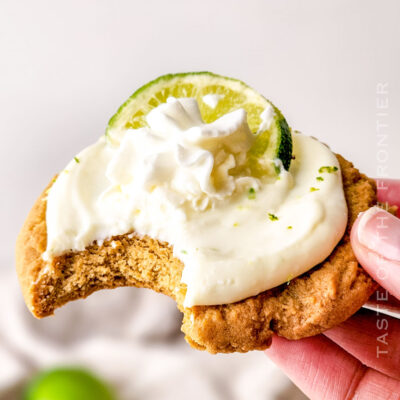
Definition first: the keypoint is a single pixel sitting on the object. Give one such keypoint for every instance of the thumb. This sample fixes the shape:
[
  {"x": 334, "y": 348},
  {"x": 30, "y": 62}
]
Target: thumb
[{"x": 375, "y": 239}]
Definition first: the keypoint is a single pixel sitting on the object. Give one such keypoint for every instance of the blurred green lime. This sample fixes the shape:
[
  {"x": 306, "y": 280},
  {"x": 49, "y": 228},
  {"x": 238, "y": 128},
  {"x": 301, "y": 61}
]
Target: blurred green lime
[{"x": 67, "y": 383}]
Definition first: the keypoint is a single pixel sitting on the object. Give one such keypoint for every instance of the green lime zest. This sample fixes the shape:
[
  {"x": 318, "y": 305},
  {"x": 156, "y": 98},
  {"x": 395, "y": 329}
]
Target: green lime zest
[
  {"x": 328, "y": 169},
  {"x": 251, "y": 194},
  {"x": 290, "y": 227},
  {"x": 319, "y": 178},
  {"x": 313, "y": 189},
  {"x": 272, "y": 217},
  {"x": 77, "y": 160}
]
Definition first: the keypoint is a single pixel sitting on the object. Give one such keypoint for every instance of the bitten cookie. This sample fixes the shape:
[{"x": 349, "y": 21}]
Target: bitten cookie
[{"x": 317, "y": 300}]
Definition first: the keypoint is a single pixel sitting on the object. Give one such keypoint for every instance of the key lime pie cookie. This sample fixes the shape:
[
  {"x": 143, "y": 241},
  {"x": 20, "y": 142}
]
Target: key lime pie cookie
[{"x": 199, "y": 190}]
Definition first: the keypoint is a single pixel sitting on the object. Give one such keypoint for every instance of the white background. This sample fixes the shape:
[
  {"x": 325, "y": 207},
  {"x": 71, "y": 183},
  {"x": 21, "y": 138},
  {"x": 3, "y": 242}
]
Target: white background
[{"x": 65, "y": 67}]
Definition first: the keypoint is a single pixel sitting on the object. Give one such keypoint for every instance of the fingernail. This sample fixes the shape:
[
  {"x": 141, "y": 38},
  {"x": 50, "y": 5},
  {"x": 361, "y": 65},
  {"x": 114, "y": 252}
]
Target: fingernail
[{"x": 379, "y": 231}]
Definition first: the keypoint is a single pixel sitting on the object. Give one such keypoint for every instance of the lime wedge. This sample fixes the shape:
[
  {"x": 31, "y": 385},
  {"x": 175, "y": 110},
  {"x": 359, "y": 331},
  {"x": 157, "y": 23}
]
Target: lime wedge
[{"x": 273, "y": 142}]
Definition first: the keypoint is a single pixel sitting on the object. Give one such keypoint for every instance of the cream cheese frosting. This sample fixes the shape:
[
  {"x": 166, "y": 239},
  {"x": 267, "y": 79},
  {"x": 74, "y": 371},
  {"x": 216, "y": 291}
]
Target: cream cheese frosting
[{"x": 186, "y": 182}]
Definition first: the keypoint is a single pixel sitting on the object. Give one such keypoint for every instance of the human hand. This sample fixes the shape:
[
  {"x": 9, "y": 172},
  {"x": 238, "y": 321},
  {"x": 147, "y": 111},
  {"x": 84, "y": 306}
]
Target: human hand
[{"x": 360, "y": 358}]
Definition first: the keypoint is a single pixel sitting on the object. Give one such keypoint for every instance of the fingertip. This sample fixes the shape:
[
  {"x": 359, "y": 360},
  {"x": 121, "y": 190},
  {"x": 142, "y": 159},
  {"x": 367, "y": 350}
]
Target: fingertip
[
  {"x": 383, "y": 241},
  {"x": 355, "y": 244}
]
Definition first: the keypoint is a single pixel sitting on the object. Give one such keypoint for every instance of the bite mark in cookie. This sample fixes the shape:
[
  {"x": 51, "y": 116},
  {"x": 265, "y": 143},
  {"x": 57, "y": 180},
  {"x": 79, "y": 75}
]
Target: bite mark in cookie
[{"x": 318, "y": 300}]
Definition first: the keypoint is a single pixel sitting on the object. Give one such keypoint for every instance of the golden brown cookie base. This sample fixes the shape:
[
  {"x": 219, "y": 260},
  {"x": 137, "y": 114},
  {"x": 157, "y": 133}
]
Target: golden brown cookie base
[{"x": 319, "y": 299}]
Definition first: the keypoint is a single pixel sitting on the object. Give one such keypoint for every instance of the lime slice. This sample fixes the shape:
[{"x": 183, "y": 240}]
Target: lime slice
[
  {"x": 275, "y": 142},
  {"x": 67, "y": 384}
]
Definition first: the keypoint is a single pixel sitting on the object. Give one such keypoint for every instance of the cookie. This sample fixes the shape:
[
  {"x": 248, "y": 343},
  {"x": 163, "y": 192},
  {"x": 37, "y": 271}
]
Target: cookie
[{"x": 308, "y": 305}]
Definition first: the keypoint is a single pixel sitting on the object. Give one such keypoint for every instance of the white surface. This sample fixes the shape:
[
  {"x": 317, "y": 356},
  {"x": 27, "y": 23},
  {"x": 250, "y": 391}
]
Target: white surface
[{"x": 65, "y": 67}]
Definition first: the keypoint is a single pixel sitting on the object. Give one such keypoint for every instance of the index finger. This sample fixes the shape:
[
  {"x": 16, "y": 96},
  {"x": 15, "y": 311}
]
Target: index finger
[{"x": 323, "y": 370}]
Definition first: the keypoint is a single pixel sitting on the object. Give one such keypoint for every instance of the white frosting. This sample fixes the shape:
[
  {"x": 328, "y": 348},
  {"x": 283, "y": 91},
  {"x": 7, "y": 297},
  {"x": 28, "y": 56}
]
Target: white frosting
[
  {"x": 186, "y": 182},
  {"x": 267, "y": 117},
  {"x": 212, "y": 100}
]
